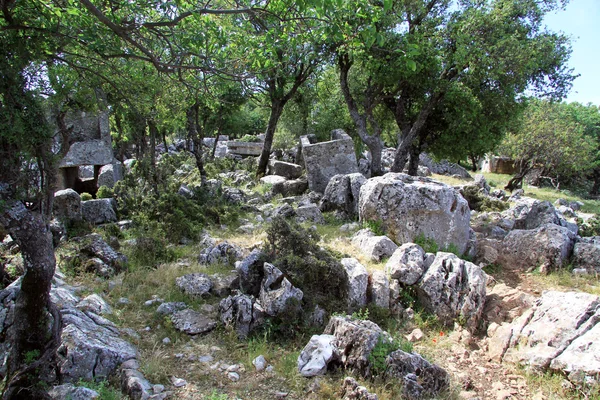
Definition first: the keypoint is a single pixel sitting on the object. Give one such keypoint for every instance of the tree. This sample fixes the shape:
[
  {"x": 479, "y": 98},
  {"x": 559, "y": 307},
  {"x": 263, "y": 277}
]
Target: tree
[{"x": 551, "y": 141}]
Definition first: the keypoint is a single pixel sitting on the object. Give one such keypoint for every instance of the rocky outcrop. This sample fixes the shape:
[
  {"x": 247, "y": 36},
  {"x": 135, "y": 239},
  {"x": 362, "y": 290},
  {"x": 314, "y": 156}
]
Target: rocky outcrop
[
  {"x": 379, "y": 289},
  {"x": 309, "y": 213},
  {"x": 222, "y": 253},
  {"x": 443, "y": 167},
  {"x": 408, "y": 207},
  {"x": 99, "y": 211},
  {"x": 110, "y": 174},
  {"x": 353, "y": 391},
  {"x": 358, "y": 280},
  {"x": 408, "y": 263},
  {"x": 251, "y": 272},
  {"x": 192, "y": 322},
  {"x": 242, "y": 313},
  {"x": 103, "y": 259},
  {"x": 342, "y": 193},
  {"x": 277, "y": 294},
  {"x": 285, "y": 169},
  {"x": 197, "y": 284},
  {"x": 549, "y": 245},
  {"x": 586, "y": 254},
  {"x": 561, "y": 332},
  {"x": 453, "y": 289}
]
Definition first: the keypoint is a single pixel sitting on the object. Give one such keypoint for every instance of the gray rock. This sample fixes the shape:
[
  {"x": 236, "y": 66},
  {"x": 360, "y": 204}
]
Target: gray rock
[
  {"x": 273, "y": 180},
  {"x": 110, "y": 174},
  {"x": 358, "y": 280},
  {"x": 529, "y": 213},
  {"x": 197, "y": 284},
  {"x": 408, "y": 207},
  {"x": 85, "y": 172},
  {"x": 379, "y": 289},
  {"x": 250, "y": 271},
  {"x": 294, "y": 187},
  {"x": 443, "y": 167},
  {"x": 285, "y": 169},
  {"x": 192, "y": 322},
  {"x": 353, "y": 391},
  {"x": 374, "y": 247},
  {"x": 67, "y": 205},
  {"x": 91, "y": 152},
  {"x": 135, "y": 385},
  {"x": 170, "y": 308},
  {"x": 453, "y": 289},
  {"x": 327, "y": 159},
  {"x": 550, "y": 245},
  {"x": 355, "y": 340},
  {"x": 71, "y": 392},
  {"x": 316, "y": 355},
  {"x": 407, "y": 264},
  {"x": 223, "y": 285},
  {"x": 342, "y": 193},
  {"x": 277, "y": 294},
  {"x": 560, "y": 332},
  {"x": 94, "y": 246},
  {"x": 223, "y": 253},
  {"x": 260, "y": 363},
  {"x": 234, "y": 195},
  {"x": 420, "y": 378},
  {"x": 242, "y": 313},
  {"x": 586, "y": 254},
  {"x": 95, "y": 304},
  {"x": 99, "y": 211},
  {"x": 284, "y": 211},
  {"x": 309, "y": 213}
]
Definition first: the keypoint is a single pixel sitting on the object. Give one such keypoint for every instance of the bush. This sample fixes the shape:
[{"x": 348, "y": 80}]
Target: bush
[
  {"x": 322, "y": 278},
  {"x": 428, "y": 244},
  {"x": 382, "y": 349},
  {"x": 480, "y": 202},
  {"x": 86, "y": 196},
  {"x": 104, "y": 192},
  {"x": 591, "y": 227}
]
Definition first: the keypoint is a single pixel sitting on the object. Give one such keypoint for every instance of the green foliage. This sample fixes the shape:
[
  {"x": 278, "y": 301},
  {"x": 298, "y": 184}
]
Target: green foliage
[
  {"x": 86, "y": 196},
  {"x": 149, "y": 249},
  {"x": 591, "y": 227},
  {"x": 250, "y": 139},
  {"x": 428, "y": 244},
  {"x": 104, "y": 192},
  {"x": 31, "y": 356},
  {"x": 295, "y": 251},
  {"x": 103, "y": 388},
  {"x": 284, "y": 139},
  {"x": 382, "y": 349},
  {"x": 492, "y": 269},
  {"x": 480, "y": 202},
  {"x": 215, "y": 395},
  {"x": 376, "y": 226}
]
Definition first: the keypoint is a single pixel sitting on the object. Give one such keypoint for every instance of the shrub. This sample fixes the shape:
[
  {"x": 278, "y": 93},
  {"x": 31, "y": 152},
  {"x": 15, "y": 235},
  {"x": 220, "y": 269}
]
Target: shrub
[
  {"x": 428, "y": 244},
  {"x": 376, "y": 226},
  {"x": 295, "y": 251},
  {"x": 480, "y": 202},
  {"x": 86, "y": 196},
  {"x": 382, "y": 349},
  {"x": 104, "y": 192},
  {"x": 591, "y": 227}
]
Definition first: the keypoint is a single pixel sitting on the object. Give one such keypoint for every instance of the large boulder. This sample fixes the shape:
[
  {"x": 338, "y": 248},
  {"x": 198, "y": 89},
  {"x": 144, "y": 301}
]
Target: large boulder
[
  {"x": 197, "y": 284},
  {"x": 379, "y": 289},
  {"x": 110, "y": 174},
  {"x": 453, "y": 289},
  {"x": 358, "y": 280},
  {"x": 586, "y": 254},
  {"x": 409, "y": 207},
  {"x": 342, "y": 193},
  {"x": 309, "y": 213},
  {"x": 222, "y": 253},
  {"x": 250, "y": 271},
  {"x": 529, "y": 213},
  {"x": 550, "y": 245},
  {"x": 67, "y": 205},
  {"x": 192, "y": 322},
  {"x": 316, "y": 355},
  {"x": 561, "y": 332},
  {"x": 277, "y": 294},
  {"x": 99, "y": 211},
  {"x": 108, "y": 261},
  {"x": 443, "y": 167},
  {"x": 285, "y": 169}
]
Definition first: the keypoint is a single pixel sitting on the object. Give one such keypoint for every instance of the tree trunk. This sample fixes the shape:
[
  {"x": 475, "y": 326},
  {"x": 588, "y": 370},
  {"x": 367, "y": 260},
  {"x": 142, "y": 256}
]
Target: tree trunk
[
  {"x": 276, "y": 111},
  {"x": 516, "y": 181},
  {"x": 35, "y": 333},
  {"x": 413, "y": 165},
  {"x": 195, "y": 136},
  {"x": 474, "y": 162},
  {"x": 152, "y": 172},
  {"x": 596, "y": 186}
]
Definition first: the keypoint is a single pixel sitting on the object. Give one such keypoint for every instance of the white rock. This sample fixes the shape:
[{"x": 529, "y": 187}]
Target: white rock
[{"x": 315, "y": 356}]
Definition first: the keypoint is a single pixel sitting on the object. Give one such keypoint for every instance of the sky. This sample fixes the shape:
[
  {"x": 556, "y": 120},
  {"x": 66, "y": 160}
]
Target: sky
[{"x": 581, "y": 21}]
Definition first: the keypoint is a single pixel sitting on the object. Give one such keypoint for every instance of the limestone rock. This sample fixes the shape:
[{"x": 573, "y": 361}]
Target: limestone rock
[
  {"x": 443, "y": 167},
  {"x": 223, "y": 285},
  {"x": 273, "y": 180},
  {"x": 110, "y": 174},
  {"x": 68, "y": 391},
  {"x": 197, "y": 284},
  {"x": 379, "y": 289},
  {"x": 95, "y": 304},
  {"x": 316, "y": 355},
  {"x": 453, "y": 288},
  {"x": 408, "y": 263},
  {"x": 529, "y": 213},
  {"x": 285, "y": 169},
  {"x": 284, "y": 211},
  {"x": 94, "y": 246},
  {"x": 549, "y": 245},
  {"x": 222, "y": 253},
  {"x": 355, "y": 340},
  {"x": 67, "y": 205},
  {"x": 277, "y": 294},
  {"x": 354, "y": 391},
  {"x": 170, "y": 308},
  {"x": 410, "y": 206},
  {"x": 242, "y": 313},
  {"x": 342, "y": 193},
  {"x": 134, "y": 384},
  {"x": 91, "y": 152},
  {"x": 586, "y": 254},
  {"x": 504, "y": 304},
  {"x": 192, "y": 322},
  {"x": 374, "y": 247},
  {"x": 309, "y": 213},
  {"x": 251, "y": 272},
  {"x": 419, "y": 377},
  {"x": 99, "y": 211},
  {"x": 358, "y": 280}
]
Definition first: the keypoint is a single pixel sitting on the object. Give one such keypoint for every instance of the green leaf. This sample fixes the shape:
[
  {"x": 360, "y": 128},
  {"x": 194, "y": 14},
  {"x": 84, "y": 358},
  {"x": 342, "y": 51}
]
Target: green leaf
[
  {"x": 387, "y": 5},
  {"x": 412, "y": 65}
]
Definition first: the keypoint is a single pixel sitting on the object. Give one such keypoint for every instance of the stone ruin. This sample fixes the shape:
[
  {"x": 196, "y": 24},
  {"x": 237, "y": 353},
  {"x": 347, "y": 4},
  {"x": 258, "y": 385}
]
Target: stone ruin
[
  {"x": 327, "y": 159},
  {"x": 89, "y": 162},
  {"x": 499, "y": 165}
]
